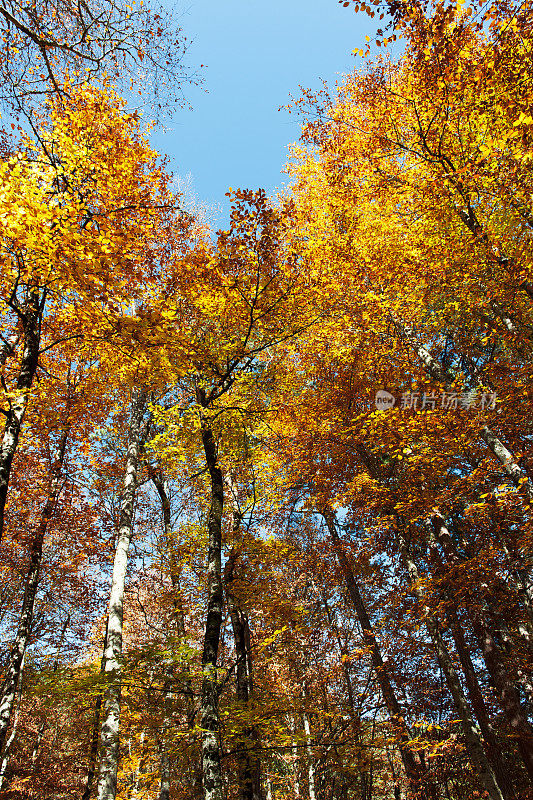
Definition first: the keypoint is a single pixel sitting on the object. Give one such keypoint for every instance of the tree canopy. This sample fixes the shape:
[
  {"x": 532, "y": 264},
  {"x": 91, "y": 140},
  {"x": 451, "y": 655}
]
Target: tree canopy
[{"x": 266, "y": 492}]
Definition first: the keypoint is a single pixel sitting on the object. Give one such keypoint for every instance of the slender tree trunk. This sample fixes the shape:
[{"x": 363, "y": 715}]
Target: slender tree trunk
[
  {"x": 480, "y": 709},
  {"x": 310, "y": 764},
  {"x": 164, "y": 772},
  {"x": 162, "y": 740},
  {"x": 296, "y": 782},
  {"x": 255, "y": 758},
  {"x": 246, "y": 783},
  {"x": 249, "y": 765},
  {"x": 346, "y": 671},
  {"x": 394, "y": 776},
  {"x": 475, "y": 694},
  {"x": 507, "y": 694},
  {"x": 140, "y": 765},
  {"x": 419, "y": 780},
  {"x": 37, "y": 745},
  {"x": 209, "y": 720},
  {"x": 95, "y": 735},
  {"x": 31, "y": 318},
  {"x": 178, "y": 623},
  {"x": 343, "y": 652},
  {"x": 7, "y": 749},
  {"x": 473, "y": 740},
  {"x": 498, "y": 671},
  {"x": 13, "y": 669},
  {"x": 162, "y": 490},
  {"x": 42, "y": 727},
  {"x": 109, "y": 735}
]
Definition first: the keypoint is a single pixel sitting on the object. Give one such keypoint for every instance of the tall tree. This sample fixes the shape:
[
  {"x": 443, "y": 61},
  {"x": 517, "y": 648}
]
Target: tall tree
[{"x": 110, "y": 729}]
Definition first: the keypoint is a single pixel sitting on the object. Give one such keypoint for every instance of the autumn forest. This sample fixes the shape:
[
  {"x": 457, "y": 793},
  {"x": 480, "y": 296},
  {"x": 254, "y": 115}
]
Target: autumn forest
[{"x": 266, "y": 493}]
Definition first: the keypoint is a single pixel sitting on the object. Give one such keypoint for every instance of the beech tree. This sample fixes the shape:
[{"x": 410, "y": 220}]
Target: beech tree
[{"x": 52, "y": 48}]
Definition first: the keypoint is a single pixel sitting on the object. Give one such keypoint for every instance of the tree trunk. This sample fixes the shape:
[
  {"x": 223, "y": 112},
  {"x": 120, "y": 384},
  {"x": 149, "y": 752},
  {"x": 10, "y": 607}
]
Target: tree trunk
[
  {"x": 294, "y": 763},
  {"x": 505, "y": 690},
  {"x": 37, "y": 746},
  {"x": 13, "y": 669},
  {"x": 209, "y": 721},
  {"x": 178, "y": 623},
  {"x": 7, "y": 749},
  {"x": 109, "y": 735},
  {"x": 474, "y": 743},
  {"x": 480, "y": 708},
  {"x": 508, "y": 462},
  {"x": 249, "y": 766},
  {"x": 343, "y": 652},
  {"x": 31, "y": 319},
  {"x": 249, "y": 763},
  {"x": 310, "y": 764},
  {"x": 246, "y": 783},
  {"x": 419, "y": 780},
  {"x": 42, "y": 727},
  {"x": 8, "y": 348},
  {"x": 162, "y": 490},
  {"x": 95, "y": 735},
  {"x": 507, "y": 694},
  {"x": 164, "y": 771}
]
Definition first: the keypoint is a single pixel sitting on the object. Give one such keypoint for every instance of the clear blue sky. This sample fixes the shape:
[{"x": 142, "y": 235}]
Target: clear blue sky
[{"x": 256, "y": 54}]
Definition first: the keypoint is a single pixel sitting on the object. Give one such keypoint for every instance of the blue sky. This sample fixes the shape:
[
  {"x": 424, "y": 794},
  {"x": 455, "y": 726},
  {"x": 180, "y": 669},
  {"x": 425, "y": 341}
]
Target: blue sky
[{"x": 257, "y": 54}]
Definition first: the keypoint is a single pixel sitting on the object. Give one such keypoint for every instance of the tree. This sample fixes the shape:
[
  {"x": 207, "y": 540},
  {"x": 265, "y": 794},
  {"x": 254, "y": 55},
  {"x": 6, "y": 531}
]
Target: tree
[{"x": 52, "y": 48}]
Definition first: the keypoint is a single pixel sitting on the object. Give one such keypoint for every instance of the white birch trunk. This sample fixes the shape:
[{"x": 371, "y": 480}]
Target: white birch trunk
[
  {"x": 109, "y": 735},
  {"x": 7, "y": 749},
  {"x": 310, "y": 765},
  {"x": 8, "y": 348},
  {"x": 508, "y": 462}
]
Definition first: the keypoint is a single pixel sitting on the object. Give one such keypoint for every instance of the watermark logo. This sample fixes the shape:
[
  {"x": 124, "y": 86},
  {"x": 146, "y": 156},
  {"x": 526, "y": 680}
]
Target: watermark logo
[
  {"x": 475, "y": 398},
  {"x": 384, "y": 400}
]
